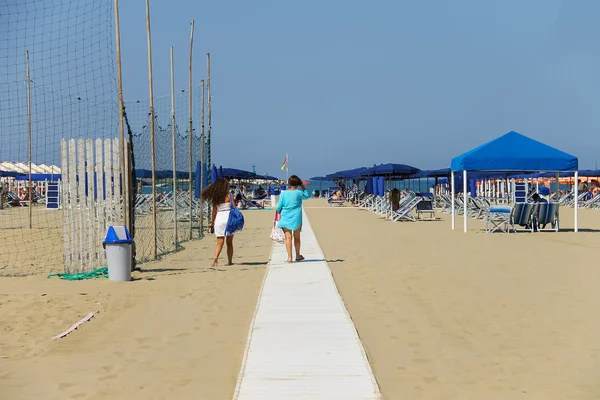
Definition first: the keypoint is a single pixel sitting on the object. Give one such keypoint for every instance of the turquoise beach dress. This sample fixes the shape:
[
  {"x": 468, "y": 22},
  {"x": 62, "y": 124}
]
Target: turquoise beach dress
[{"x": 290, "y": 208}]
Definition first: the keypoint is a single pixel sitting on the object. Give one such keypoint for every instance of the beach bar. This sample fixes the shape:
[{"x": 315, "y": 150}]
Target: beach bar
[{"x": 511, "y": 153}]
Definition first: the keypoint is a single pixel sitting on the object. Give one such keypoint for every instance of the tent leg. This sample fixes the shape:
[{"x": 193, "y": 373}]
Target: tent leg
[
  {"x": 465, "y": 200},
  {"x": 576, "y": 207},
  {"x": 453, "y": 193}
]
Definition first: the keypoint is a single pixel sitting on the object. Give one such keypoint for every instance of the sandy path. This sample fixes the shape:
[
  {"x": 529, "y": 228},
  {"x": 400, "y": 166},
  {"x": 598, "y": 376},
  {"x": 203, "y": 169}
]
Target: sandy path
[
  {"x": 448, "y": 315},
  {"x": 178, "y": 332}
]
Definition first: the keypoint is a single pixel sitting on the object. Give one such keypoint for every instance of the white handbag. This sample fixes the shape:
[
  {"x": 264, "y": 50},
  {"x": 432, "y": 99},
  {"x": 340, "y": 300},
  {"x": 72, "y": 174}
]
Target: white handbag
[{"x": 277, "y": 234}]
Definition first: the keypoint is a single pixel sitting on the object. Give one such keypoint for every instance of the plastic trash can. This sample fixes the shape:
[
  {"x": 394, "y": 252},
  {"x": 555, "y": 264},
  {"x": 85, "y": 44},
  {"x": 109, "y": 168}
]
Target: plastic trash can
[{"x": 118, "y": 253}]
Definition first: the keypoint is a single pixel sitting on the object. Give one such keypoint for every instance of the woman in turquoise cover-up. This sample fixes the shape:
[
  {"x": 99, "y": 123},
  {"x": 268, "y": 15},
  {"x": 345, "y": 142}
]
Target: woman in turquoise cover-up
[{"x": 289, "y": 209}]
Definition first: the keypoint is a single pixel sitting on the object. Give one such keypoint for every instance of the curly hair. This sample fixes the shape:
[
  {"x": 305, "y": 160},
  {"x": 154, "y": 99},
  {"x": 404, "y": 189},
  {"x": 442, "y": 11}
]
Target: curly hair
[
  {"x": 216, "y": 192},
  {"x": 294, "y": 181}
]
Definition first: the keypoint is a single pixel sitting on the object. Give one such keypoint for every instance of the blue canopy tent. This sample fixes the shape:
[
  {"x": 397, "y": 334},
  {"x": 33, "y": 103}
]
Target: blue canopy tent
[
  {"x": 514, "y": 153},
  {"x": 390, "y": 171},
  {"x": 395, "y": 170}
]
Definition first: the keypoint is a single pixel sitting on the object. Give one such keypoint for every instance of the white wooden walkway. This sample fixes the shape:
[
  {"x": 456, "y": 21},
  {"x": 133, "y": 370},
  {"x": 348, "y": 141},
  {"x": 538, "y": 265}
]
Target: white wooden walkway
[{"x": 302, "y": 343}]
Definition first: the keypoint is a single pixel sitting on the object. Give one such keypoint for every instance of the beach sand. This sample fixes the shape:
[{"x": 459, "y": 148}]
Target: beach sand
[
  {"x": 40, "y": 250},
  {"x": 177, "y": 332},
  {"x": 449, "y": 315}
]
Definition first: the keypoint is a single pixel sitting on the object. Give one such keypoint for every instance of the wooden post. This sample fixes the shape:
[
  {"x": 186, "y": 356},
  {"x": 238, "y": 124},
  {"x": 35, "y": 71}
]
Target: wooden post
[
  {"x": 93, "y": 251},
  {"x": 152, "y": 144},
  {"x": 208, "y": 160},
  {"x": 29, "y": 138},
  {"x": 124, "y": 172},
  {"x": 131, "y": 203},
  {"x": 82, "y": 219},
  {"x": 100, "y": 201},
  {"x": 203, "y": 166},
  {"x": 208, "y": 155},
  {"x": 190, "y": 130},
  {"x": 174, "y": 144},
  {"x": 73, "y": 205},
  {"x": 64, "y": 188}
]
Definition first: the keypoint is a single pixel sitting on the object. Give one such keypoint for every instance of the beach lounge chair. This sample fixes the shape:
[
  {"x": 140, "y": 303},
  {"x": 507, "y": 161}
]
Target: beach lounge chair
[
  {"x": 335, "y": 203},
  {"x": 425, "y": 207},
  {"x": 404, "y": 212},
  {"x": 522, "y": 215},
  {"x": 251, "y": 203},
  {"x": 547, "y": 213},
  {"x": 498, "y": 219}
]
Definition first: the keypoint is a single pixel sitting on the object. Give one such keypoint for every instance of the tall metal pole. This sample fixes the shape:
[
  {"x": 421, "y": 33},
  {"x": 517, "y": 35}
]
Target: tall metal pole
[
  {"x": 124, "y": 170},
  {"x": 174, "y": 142},
  {"x": 152, "y": 144},
  {"x": 191, "y": 128},
  {"x": 29, "y": 138},
  {"x": 208, "y": 156},
  {"x": 202, "y": 164}
]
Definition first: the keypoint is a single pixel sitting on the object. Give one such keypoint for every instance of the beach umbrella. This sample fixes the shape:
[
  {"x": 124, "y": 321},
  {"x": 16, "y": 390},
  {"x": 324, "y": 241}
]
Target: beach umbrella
[
  {"x": 369, "y": 186},
  {"x": 213, "y": 173},
  {"x": 220, "y": 175},
  {"x": 197, "y": 180}
]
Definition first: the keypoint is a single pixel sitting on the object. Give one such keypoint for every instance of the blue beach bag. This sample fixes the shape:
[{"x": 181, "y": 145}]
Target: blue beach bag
[{"x": 235, "y": 223}]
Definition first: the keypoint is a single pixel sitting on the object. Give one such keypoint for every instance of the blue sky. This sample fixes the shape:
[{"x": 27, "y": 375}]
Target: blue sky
[{"x": 340, "y": 84}]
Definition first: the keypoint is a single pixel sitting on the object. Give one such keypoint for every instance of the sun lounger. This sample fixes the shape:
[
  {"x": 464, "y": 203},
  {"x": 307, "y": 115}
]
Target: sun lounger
[
  {"x": 522, "y": 215},
  {"x": 405, "y": 210},
  {"x": 425, "y": 207},
  {"x": 547, "y": 213},
  {"x": 336, "y": 203}
]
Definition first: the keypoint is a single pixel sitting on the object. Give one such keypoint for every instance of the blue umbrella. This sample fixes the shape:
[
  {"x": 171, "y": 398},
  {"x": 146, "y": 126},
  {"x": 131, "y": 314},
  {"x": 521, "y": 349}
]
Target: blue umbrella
[
  {"x": 220, "y": 174},
  {"x": 213, "y": 174},
  {"x": 369, "y": 187},
  {"x": 197, "y": 180}
]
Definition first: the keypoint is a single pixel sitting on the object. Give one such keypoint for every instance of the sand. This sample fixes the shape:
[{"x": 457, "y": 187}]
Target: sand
[
  {"x": 40, "y": 250},
  {"x": 448, "y": 315},
  {"x": 177, "y": 332}
]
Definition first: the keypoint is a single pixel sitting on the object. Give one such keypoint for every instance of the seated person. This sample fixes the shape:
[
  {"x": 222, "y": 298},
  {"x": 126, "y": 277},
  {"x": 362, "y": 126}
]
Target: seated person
[
  {"x": 536, "y": 198},
  {"x": 238, "y": 200},
  {"x": 337, "y": 195}
]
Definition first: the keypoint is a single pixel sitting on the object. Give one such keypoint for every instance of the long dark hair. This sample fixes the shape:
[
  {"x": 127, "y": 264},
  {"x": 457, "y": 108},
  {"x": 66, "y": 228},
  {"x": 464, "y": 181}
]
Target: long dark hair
[{"x": 216, "y": 192}]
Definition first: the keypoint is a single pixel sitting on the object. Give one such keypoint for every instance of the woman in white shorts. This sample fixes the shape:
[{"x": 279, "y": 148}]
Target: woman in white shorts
[{"x": 219, "y": 194}]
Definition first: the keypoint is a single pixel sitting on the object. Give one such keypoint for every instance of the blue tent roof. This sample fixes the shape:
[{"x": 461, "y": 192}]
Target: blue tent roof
[
  {"x": 10, "y": 174},
  {"x": 37, "y": 177},
  {"x": 390, "y": 170},
  {"x": 354, "y": 173},
  {"x": 432, "y": 173},
  {"x": 514, "y": 152}
]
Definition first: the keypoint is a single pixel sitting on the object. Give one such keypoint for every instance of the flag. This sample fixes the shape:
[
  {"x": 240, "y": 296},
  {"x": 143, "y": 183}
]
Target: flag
[{"x": 284, "y": 163}]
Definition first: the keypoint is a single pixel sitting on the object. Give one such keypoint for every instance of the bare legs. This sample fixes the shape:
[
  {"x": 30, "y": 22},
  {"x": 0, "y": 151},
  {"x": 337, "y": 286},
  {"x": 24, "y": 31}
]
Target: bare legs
[
  {"x": 295, "y": 235},
  {"x": 229, "y": 240},
  {"x": 220, "y": 242}
]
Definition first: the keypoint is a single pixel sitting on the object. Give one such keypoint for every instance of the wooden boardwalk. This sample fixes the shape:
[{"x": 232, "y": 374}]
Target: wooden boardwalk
[{"x": 302, "y": 343}]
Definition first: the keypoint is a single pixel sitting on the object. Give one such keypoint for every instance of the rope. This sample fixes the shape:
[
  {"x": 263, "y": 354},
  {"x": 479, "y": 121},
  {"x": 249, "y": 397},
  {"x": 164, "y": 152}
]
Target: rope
[{"x": 97, "y": 273}]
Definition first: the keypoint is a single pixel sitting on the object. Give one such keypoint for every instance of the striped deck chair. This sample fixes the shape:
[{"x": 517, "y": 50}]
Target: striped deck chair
[
  {"x": 522, "y": 215},
  {"x": 404, "y": 213},
  {"x": 547, "y": 213}
]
